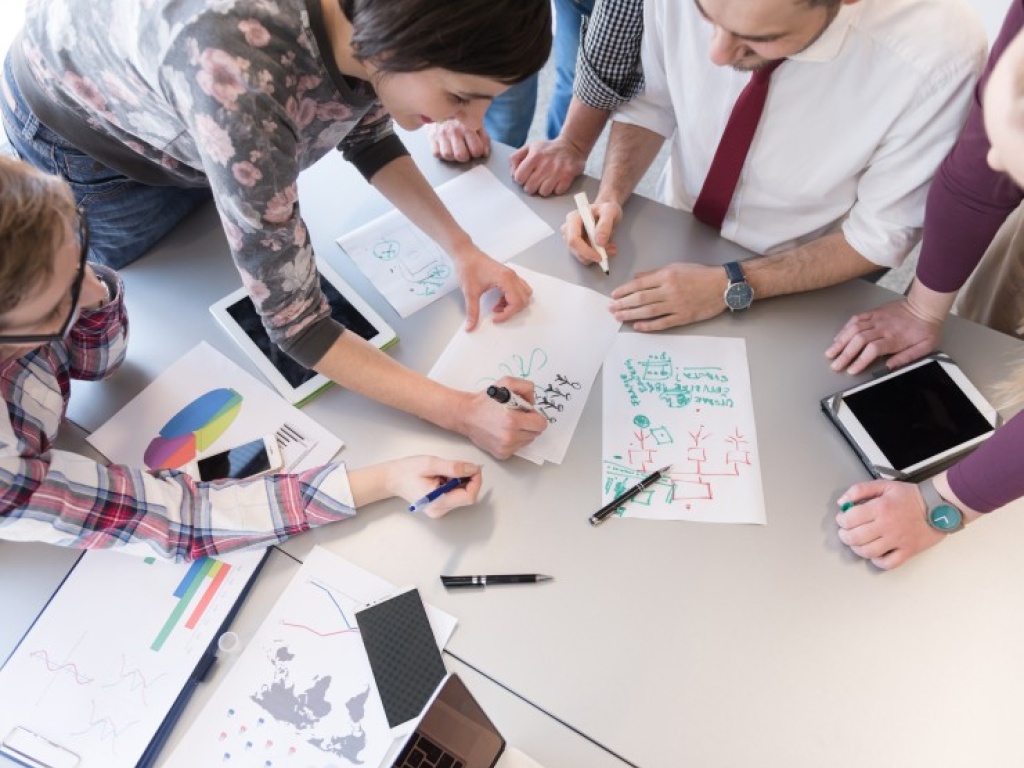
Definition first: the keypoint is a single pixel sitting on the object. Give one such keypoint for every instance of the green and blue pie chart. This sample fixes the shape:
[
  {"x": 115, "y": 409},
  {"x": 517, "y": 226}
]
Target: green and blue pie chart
[{"x": 193, "y": 429}]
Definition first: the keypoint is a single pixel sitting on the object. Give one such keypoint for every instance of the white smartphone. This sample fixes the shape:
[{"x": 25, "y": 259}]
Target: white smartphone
[{"x": 257, "y": 457}]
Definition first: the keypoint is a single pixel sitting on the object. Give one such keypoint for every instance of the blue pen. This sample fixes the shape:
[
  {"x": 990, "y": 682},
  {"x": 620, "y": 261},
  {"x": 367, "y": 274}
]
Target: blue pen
[{"x": 434, "y": 495}]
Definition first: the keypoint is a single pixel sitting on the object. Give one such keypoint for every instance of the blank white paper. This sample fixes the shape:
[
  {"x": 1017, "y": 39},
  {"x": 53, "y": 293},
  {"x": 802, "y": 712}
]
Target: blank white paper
[{"x": 557, "y": 342}]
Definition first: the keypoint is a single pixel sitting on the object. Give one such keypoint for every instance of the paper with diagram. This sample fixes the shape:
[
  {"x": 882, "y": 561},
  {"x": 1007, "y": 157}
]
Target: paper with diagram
[
  {"x": 684, "y": 401},
  {"x": 302, "y": 693},
  {"x": 204, "y": 403},
  {"x": 411, "y": 270},
  {"x": 557, "y": 342},
  {"x": 104, "y": 664}
]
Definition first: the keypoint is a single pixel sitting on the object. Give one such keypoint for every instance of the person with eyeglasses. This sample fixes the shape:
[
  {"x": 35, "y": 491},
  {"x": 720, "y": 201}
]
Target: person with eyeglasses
[{"x": 63, "y": 318}]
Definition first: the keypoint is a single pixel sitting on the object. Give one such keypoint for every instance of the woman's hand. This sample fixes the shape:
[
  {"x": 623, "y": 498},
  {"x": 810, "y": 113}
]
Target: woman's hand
[{"x": 478, "y": 273}]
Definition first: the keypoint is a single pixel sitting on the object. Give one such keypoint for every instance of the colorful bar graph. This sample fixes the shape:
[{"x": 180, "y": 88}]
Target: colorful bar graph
[
  {"x": 217, "y": 574},
  {"x": 186, "y": 582},
  {"x": 185, "y": 592}
]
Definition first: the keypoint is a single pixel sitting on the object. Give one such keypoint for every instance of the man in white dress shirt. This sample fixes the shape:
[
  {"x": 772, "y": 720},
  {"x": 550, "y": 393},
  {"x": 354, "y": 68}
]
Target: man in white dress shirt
[{"x": 868, "y": 100}]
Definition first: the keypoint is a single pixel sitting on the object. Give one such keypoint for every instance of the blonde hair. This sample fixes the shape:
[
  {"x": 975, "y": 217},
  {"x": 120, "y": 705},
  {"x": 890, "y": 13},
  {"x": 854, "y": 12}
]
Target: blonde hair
[{"x": 36, "y": 210}]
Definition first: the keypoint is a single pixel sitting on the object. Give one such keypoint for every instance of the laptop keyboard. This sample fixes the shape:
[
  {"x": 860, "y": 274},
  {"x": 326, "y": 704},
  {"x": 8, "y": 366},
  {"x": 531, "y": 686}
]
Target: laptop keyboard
[{"x": 421, "y": 752}]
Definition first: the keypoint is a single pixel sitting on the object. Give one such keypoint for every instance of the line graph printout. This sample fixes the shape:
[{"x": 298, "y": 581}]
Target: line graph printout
[
  {"x": 557, "y": 342},
  {"x": 102, "y": 666},
  {"x": 411, "y": 270},
  {"x": 684, "y": 401},
  {"x": 205, "y": 403},
  {"x": 302, "y": 693}
]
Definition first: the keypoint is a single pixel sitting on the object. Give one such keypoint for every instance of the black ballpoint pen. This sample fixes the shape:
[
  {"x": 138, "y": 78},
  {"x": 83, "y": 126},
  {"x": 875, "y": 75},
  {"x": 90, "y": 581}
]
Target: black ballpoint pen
[
  {"x": 484, "y": 581},
  {"x": 606, "y": 511}
]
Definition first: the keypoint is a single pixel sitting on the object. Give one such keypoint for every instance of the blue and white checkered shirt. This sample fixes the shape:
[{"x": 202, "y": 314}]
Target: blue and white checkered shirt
[{"x": 608, "y": 71}]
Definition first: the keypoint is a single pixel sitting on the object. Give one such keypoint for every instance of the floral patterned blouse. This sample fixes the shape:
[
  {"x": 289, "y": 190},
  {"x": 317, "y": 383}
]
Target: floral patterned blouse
[{"x": 237, "y": 95}]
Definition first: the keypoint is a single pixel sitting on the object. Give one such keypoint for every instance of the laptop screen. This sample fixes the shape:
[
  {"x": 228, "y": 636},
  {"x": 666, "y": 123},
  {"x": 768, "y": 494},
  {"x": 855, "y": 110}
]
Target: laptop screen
[{"x": 453, "y": 732}]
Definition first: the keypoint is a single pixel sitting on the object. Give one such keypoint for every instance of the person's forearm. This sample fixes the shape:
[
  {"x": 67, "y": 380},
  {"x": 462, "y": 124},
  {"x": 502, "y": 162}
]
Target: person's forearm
[
  {"x": 402, "y": 183},
  {"x": 357, "y": 365},
  {"x": 828, "y": 260},
  {"x": 929, "y": 305},
  {"x": 631, "y": 150},
  {"x": 369, "y": 484},
  {"x": 583, "y": 126}
]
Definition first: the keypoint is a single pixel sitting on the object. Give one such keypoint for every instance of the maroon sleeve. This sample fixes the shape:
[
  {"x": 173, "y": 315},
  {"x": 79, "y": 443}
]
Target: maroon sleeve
[
  {"x": 991, "y": 476},
  {"x": 968, "y": 201}
]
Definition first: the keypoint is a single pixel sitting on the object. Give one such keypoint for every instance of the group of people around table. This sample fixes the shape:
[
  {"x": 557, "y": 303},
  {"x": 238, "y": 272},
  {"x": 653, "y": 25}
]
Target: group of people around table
[{"x": 860, "y": 148}]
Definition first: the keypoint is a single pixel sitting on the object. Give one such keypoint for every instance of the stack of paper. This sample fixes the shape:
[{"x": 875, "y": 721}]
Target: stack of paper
[{"x": 557, "y": 342}]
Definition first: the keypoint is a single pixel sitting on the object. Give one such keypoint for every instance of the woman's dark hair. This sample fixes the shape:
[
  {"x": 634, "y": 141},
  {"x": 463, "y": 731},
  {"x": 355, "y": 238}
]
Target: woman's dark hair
[{"x": 505, "y": 40}]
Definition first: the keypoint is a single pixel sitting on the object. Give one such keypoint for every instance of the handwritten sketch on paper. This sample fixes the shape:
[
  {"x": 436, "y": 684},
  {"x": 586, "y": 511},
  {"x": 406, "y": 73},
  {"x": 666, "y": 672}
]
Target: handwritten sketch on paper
[
  {"x": 302, "y": 692},
  {"x": 684, "y": 401},
  {"x": 411, "y": 270},
  {"x": 204, "y": 403},
  {"x": 540, "y": 344}
]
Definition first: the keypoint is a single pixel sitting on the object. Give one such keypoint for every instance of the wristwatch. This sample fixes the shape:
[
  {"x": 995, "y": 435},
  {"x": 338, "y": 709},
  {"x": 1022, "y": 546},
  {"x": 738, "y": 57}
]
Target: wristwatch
[
  {"x": 939, "y": 513},
  {"x": 738, "y": 295}
]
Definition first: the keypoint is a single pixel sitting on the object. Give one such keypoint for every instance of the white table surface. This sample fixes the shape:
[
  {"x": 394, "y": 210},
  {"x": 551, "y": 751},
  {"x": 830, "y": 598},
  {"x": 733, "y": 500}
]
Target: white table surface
[{"x": 668, "y": 643}]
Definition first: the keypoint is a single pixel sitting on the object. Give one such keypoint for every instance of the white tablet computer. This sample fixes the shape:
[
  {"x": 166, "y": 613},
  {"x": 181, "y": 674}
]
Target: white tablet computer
[
  {"x": 913, "y": 422},
  {"x": 295, "y": 382}
]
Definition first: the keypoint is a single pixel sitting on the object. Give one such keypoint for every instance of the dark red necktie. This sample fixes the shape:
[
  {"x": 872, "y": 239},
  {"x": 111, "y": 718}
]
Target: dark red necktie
[{"x": 724, "y": 174}]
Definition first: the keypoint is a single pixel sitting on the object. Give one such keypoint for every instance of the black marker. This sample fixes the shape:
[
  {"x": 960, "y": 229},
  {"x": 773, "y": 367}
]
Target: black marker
[
  {"x": 483, "y": 581},
  {"x": 605, "y": 511},
  {"x": 510, "y": 399}
]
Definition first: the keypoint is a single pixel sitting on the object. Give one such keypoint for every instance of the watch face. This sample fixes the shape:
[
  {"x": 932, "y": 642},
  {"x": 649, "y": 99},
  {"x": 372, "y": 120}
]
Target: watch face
[
  {"x": 945, "y": 518},
  {"x": 739, "y": 296}
]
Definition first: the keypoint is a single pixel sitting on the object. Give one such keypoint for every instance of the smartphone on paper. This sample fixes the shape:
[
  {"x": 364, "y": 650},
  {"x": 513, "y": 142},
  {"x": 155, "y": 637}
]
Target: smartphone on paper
[
  {"x": 256, "y": 457},
  {"x": 403, "y": 654}
]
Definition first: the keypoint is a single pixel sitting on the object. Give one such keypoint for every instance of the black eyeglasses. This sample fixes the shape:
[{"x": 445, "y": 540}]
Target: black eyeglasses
[{"x": 76, "y": 293}]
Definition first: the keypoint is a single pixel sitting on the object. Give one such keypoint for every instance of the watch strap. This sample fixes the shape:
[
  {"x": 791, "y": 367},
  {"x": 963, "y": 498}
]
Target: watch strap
[
  {"x": 930, "y": 494},
  {"x": 734, "y": 272},
  {"x": 933, "y": 500}
]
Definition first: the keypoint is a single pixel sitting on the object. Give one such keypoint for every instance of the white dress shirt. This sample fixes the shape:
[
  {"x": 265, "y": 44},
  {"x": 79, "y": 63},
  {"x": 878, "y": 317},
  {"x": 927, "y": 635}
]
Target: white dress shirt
[{"x": 852, "y": 132}]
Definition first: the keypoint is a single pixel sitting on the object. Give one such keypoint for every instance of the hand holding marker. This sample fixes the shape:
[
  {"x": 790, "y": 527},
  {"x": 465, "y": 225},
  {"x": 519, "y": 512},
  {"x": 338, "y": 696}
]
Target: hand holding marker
[{"x": 590, "y": 226}]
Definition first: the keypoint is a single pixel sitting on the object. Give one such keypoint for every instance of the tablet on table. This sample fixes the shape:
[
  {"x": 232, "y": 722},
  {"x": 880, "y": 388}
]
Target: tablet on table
[
  {"x": 295, "y": 382},
  {"x": 915, "y": 421}
]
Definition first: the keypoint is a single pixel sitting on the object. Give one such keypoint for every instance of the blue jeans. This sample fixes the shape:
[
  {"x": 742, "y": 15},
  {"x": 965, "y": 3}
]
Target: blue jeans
[
  {"x": 508, "y": 119},
  {"x": 125, "y": 217},
  {"x": 566, "y": 46}
]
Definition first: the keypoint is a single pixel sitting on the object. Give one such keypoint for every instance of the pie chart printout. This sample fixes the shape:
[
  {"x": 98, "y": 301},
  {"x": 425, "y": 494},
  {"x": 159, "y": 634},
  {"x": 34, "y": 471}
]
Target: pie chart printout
[{"x": 193, "y": 429}]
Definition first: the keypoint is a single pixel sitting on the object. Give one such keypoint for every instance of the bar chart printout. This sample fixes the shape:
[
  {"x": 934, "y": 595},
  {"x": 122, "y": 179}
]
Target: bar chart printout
[{"x": 104, "y": 663}]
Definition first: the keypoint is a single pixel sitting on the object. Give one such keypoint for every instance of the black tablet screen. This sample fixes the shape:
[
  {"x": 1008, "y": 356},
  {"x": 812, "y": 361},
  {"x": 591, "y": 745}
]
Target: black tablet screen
[
  {"x": 917, "y": 415},
  {"x": 244, "y": 313}
]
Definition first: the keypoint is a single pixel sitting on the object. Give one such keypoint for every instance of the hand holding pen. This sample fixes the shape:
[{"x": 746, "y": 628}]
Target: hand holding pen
[{"x": 420, "y": 480}]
